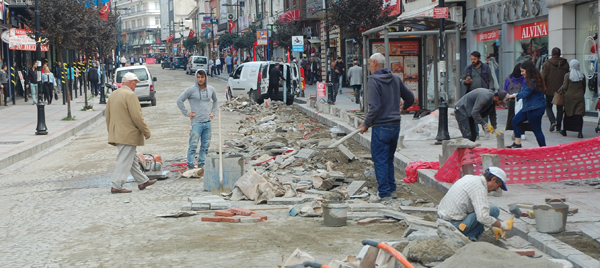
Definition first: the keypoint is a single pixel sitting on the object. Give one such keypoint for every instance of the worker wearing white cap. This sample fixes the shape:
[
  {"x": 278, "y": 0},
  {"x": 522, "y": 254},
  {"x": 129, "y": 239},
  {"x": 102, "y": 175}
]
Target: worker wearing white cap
[
  {"x": 126, "y": 130},
  {"x": 466, "y": 204}
]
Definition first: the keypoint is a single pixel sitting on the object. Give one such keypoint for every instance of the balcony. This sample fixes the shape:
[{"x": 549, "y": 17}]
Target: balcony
[{"x": 133, "y": 14}]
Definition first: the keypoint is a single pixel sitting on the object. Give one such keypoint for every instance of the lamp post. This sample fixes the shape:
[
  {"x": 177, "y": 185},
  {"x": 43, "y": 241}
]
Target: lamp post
[{"x": 41, "y": 115}]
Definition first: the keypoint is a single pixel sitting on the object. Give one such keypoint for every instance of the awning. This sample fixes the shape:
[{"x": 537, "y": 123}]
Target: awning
[
  {"x": 289, "y": 16},
  {"x": 422, "y": 12},
  {"x": 314, "y": 41},
  {"x": 419, "y": 23}
]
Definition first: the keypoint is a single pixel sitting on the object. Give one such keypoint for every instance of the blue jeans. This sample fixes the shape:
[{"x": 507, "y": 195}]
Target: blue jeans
[
  {"x": 340, "y": 78},
  {"x": 474, "y": 228},
  {"x": 95, "y": 88},
  {"x": 59, "y": 82},
  {"x": 34, "y": 91},
  {"x": 384, "y": 140},
  {"x": 229, "y": 68},
  {"x": 199, "y": 131},
  {"x": 535, "y": 122}
]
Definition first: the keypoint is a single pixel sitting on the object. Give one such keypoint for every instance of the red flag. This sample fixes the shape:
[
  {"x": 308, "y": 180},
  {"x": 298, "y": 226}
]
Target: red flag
[
  {"x": 191, "y": 35},
  {"x": 231, "y": 26},
  {"x": 104, "y": 11}
]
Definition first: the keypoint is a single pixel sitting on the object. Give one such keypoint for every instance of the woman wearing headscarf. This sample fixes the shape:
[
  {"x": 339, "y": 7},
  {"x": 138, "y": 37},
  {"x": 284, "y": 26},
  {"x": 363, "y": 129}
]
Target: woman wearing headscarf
[{"x": 574, "y": 102}]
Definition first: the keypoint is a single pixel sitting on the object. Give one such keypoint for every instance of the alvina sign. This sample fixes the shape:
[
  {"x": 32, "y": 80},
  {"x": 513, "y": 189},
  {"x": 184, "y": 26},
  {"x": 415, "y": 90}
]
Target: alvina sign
[{"x": 531, "y": 30}]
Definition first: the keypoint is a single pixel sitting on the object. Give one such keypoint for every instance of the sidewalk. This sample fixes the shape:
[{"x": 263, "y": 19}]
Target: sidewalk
[{"x": 17, "y": 135}]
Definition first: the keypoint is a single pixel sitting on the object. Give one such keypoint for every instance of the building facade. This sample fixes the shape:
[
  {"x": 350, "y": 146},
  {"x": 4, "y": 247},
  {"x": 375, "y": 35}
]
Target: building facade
[{"x": 141, "y": 26}]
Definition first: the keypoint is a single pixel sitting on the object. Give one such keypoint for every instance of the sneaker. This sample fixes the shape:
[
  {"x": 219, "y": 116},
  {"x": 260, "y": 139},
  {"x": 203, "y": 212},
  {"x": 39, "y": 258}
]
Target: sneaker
[
  {"x": 552, "y": 127},
  {"x": 384, "y": 199},
  {"x": 514, "y": 146},
  {"x": 393, "y": 196}
]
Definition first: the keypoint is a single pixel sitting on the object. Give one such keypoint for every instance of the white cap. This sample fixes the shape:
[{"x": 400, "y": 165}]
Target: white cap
[
  {"x": 129, "y": 77},
  {"x": 500, "y": 174}
]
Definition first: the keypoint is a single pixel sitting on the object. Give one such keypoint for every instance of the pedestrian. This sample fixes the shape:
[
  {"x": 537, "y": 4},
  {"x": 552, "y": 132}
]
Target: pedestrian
[
  {"x": 574, "y": 100},
  {"x": 202, "y": 111},
  {"x": 218, "y": 66},
  {"x": 471, "y": 110},
  {"x": 211, "y": 67},
  {"x": 94, "y": 78},
  {"x": 109, "y": 66},
  {"x": 247, "y": 59},
  {"x": 533, "y": 104},
  {"x": 274, "y": 77},
  {"x": 314, "y": 68},
  {"x": 123, "y": 61},
  {"x": 4, "y": 83},
  {"x": 33, "y": 83},
  {"x": 355, "y": 77},
  {"x": 222, "y": 60},
  {"x": 49, "y": 84},
  {"x": 71, "y": 76},
  {"x": 513, "y": 84},
  {"x": 141, "y": 60},
  {"x": 385, "y": 92},
  {"x": 339, "y": 69},
  {"x": 477, "y": 75},
  {"x": 126, "y": 130},
  {"x": 553, "y": 74},
  {"x": 132, "y": 60},
  {"x": 466, "y": 204},
  {"x": 58, "y": 75},
  {"x": 228, "y": 61}
]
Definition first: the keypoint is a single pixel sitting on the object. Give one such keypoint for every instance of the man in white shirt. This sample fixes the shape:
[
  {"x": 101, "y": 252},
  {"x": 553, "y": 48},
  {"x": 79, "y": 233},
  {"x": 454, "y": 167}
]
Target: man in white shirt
[
  {"x": 218, "y": 66},
  {"x": 466, "y": 204}
]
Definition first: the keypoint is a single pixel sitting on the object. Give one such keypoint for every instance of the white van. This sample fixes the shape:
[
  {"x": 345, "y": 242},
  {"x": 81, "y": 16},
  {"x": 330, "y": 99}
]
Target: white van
[
  {"x": 195, "y": 63},
  {"x": 252, "y": 78},
  {"x": 145, "y": 89}
]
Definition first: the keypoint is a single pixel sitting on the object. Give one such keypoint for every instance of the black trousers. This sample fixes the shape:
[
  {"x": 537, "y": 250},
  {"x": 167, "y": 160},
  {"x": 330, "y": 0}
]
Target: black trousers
[
  {"x": 48, "y": 88},
  {"x": 6, "y": 93},
  {"x": 466, "y": 125},
  {"x": 273, "y": 91}
]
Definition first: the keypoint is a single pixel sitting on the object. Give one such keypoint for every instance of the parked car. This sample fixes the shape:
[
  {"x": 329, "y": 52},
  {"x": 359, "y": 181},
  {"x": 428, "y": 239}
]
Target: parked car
[
  {"x": 145, "y": 89},
  {"x": 252, "y": 78},
  {"x": 165, "y": 63},
  {"x": 178, "y": 63},
  {"x": 197, "y": 62}
]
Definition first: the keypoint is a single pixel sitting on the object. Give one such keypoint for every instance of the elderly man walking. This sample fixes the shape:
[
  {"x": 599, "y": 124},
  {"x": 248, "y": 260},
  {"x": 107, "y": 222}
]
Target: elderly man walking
[
  {"x": 355, "y": 77},
  {"x": 126, "y": 130},
  {"x": 385, "y": 92}
]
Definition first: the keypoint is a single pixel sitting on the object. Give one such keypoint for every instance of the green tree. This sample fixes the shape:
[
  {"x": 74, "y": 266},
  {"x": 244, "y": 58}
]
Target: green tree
[
  {"x": 227, "y": 39},
  {"x": 247, "y": 39},
  {"x": 356, "y": 16},
  {"x": 190, "y": 43},
  {"x": 284, "y": 32}
]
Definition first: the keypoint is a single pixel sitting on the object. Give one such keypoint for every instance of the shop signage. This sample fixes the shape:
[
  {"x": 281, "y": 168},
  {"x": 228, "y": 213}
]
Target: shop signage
[
  {"x": 206, "y": 19},
  {"x": 440, "y": 13},
  {"x": 532, "y": 30},
  {"x": 321, "y": 91},
  {"x": 485, "y": 36},
  {"x": 262, "y": 37},
  {"x": 18, "y": 39},
  {"x": 205, "y": 25},
  {"x": 505, "y": 11}
]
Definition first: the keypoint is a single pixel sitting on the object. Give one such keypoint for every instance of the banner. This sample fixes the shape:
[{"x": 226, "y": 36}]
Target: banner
[
  {"x": 191, "y": 35},
  {"x": 321, "y": 90},
  {"x": 104, "y": 11},
  {"x": 262, "y": 37},
  {"x": 18, "y": 39},
  {"x": 302, "y": 80}
]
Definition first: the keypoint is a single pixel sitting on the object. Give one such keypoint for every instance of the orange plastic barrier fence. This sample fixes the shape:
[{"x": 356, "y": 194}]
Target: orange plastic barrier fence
[{"x": 576, "y": 160}]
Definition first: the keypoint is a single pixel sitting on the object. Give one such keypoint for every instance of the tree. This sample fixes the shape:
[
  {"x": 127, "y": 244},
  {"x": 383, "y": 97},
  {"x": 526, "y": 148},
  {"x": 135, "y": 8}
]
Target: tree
[
  {"x": 247, "y": 39},
  {"x": 285, "y": 31},
  {"x": 227, "y": 39},
  {"x": 190, "y": 43},
  {"x": 62, "y": 25},
  {"x": 356, "y": 16}
]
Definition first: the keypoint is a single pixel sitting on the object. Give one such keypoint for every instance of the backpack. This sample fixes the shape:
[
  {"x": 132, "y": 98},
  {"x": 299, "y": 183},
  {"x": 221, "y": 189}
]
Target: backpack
[
  {"x": 513, "y": 88},
  {"x": 484, "y": 73},
  {"x": 93, "y": 74}
]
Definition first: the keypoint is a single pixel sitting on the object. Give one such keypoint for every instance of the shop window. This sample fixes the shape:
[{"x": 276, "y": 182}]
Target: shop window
[{"x": 586, "y": 23}]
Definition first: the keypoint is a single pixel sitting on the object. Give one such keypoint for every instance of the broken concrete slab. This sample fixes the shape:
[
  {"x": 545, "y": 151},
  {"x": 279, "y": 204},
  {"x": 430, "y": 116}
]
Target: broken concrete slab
[
  {"x": 346, "y": 152},
  {"x": 363, "y": 207},
  {"x": 362, "y": 215},
  {"x": 410, "y": 209},
  {"x": 398, "y": 215},
  {"x": 273, "y": 145},
  {"x": 411, "y": 221},
  {"x": 285, "y": 201},
  {"x": 305, "y": 153},
  {"x": 429, "y": 251},
  {"x": 355, "y": 186},
  {"x": 317, "y": 192}
]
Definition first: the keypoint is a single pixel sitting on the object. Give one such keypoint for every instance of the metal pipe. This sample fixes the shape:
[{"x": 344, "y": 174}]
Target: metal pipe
[
  {"x": 365, "y": 73},
  {"x": 386, "y": 41}
]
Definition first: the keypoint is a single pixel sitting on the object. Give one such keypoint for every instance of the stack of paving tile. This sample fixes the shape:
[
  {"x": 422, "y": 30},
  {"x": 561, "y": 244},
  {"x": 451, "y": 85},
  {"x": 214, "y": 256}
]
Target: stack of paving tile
[{"x": 235, "y": 215}]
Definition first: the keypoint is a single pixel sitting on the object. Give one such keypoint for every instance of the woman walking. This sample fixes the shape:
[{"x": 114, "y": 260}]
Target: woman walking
[
  {"x": 534, "y": 104},
  {"x": 49, "y": 84},
  {"x": 513, "y": 84},
  {"x": 574, "y": 102}
]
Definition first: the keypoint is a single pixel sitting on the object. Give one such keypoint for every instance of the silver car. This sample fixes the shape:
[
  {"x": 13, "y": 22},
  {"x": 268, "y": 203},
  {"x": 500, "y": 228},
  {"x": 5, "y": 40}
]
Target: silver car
[
  {"x": 145, "y": 89},
  {"x": 195, "y": 63}
]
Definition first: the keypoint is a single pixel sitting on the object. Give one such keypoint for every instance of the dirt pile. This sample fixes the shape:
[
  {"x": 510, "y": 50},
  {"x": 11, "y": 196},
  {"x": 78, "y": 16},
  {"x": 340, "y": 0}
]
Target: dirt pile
[{"x": 483, "y": 254}]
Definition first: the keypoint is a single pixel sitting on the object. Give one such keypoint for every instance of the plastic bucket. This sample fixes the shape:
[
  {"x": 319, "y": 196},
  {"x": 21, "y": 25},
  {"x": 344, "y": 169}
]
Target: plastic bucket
[
  {"x": 551, "y": 217},
  {"x": 335, "y": 214}
]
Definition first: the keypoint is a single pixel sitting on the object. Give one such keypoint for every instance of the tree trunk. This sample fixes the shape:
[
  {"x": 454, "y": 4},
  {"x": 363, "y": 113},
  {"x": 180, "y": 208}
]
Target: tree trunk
[
  {"x": 59, "y": 56},
  {"x": 85, "y": 83}
]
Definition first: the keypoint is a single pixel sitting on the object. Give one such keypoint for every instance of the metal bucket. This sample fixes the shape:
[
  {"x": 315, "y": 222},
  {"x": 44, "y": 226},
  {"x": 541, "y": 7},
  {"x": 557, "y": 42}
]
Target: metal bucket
[
  {"x": 552, "y": 217},
  {"x": 335, "y": 214}
]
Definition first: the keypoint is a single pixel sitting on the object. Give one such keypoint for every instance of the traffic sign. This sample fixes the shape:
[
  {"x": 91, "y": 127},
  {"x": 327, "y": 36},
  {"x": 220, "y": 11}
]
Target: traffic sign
[
  {"x": 298, "y": 43},
  {"x": 215, "y": 21},
  {"x": 440, "y": 13}
]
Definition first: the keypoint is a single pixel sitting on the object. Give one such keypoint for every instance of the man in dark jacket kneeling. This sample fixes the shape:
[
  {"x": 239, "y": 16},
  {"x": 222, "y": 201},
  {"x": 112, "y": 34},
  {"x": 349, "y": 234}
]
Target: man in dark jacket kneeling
[{"x": 472, "y": 108}]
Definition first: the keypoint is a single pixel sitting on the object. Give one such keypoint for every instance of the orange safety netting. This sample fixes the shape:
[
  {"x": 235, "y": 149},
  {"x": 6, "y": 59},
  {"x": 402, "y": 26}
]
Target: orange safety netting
[{"x": 576, "y": 160}]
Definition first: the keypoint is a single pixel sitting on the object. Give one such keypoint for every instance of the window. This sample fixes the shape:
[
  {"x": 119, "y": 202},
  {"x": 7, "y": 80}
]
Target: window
[
  {"x": 170, "y": 5},
  {"x": 156, "y": 6},
  {"x": 133, "y": 24},
  {"x": 141, "y": 74},
  {"x": 139, "y": 22},
  {"x": 139, "y": 8},
  {"x": 238, "y": 72},
  {"x": 157, "y": 21},
  {"x": 200, "y": 60}
]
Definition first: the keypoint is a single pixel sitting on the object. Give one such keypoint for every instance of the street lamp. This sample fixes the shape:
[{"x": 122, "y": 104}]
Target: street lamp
[{"x": 41, "y": 115}]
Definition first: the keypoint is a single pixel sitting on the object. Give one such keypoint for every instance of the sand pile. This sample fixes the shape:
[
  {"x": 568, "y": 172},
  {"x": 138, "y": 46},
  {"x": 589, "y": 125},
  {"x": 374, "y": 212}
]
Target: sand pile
[{"x": 483, "y": 254}]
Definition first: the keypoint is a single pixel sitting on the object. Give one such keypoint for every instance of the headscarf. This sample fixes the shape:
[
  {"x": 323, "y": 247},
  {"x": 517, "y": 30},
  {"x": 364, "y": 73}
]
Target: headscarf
[{"x": 575, "y": 74}]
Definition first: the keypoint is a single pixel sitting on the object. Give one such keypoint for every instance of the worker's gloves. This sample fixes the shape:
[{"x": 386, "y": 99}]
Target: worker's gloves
[
  {"x": 506, "y": 225},
  {"x": 488, "y": 128},
  {"x": 498, "y": 232}
]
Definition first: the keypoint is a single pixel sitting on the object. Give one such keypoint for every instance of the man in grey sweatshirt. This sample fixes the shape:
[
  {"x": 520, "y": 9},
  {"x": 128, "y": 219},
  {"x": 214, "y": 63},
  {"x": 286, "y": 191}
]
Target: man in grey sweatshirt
[
  {"x": 202, "y": 111},
  {"x": 384, "y": 94},
  {"x": 472, "y": 108}
]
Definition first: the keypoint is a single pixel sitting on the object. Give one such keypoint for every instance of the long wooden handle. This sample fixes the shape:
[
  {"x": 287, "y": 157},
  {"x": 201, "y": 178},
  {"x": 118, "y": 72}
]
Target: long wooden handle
[
  {"x": 344, "y": 139},
  {"x": 220, "y": 152}
]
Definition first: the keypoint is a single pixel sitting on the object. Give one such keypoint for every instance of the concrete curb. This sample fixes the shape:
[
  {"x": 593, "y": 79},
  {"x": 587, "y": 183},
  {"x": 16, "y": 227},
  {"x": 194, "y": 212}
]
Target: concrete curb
[
  {"x": 43, "y": 145},
  {"x": 332, "y": 116}
]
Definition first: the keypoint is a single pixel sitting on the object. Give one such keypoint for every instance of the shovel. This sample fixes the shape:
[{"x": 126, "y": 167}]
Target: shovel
[{"x": 220, "y": 190}]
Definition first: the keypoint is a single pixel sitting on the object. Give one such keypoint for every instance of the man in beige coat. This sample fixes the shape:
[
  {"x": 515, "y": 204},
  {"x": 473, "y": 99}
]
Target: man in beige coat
[{"x": 126, "y": 130}]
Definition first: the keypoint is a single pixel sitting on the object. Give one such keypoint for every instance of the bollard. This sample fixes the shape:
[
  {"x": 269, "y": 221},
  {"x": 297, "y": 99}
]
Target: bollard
[
  {"x": 401, "y": 142},
  {"x": 443, "y": 133},
  {"x": 500, "y": 140}
]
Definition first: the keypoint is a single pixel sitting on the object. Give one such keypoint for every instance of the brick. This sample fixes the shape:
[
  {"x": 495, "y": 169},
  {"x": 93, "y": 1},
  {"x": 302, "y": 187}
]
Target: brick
[
  {"x": 212, "y": 219},
  {"x": 240, "y": 211},
  {"x": 368, "y": 221},
  {"x": 262, "y": 217},
  {"x": 524, "y": 252},
  {"x": 224, "y": 213},
  {"x": 230, "y": 219}
]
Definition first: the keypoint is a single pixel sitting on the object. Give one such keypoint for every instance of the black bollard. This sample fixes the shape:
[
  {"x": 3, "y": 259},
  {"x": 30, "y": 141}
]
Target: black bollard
[
  {"x": 102, "y": 98},
  {"x": 443, "y": 133},
  {"x": 41, "y": 125}
]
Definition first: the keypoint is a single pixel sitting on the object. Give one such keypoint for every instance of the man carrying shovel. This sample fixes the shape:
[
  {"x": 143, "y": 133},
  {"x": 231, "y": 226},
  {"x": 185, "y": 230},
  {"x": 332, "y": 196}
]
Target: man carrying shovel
[
  {"x": 202, "y": 111},
  {"x": 384, "y": 94}
]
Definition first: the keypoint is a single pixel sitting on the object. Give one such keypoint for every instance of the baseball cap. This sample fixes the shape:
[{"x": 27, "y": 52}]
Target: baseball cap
[
  {"x": 129, "y": 77},
  {"x": 500, "y": 174}
]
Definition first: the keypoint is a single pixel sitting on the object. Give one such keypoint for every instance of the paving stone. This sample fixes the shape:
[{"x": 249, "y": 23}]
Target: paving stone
[
  {"x": 285, "y": 201},
  {"x": 305, "y": 153},
  {"x": 318, "y": 192},
  {"x": 583, "y": 261},
  {"x": 354, "y": 187},
  {"x": 362, "y": 215},
  {"x": 262, "y": 217},
  {"x": 186, "y": 206},
  {"x": 364, "y": 207},
  {"x": 224, "y": 213},
  {"x": 397, "y": 215},
  {"x": 346, "y": 152},
  {"x": 212, "y": 219},
  {"x": 409, "y": 209}
]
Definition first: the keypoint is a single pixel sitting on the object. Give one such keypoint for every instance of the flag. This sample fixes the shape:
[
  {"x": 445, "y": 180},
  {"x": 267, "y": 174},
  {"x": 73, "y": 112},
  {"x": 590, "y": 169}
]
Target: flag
[
  {"x": 104, "y": 11},
  {"x": 191, "y": 35},
  {"x": 207, "y": 32},
  {"x": 231, "y": 26}
]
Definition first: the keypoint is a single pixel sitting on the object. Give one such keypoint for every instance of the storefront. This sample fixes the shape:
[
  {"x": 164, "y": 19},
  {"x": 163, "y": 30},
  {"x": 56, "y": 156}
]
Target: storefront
[
  {"x": 586, "y": 48},
  {"x": 507, "y": 32}
]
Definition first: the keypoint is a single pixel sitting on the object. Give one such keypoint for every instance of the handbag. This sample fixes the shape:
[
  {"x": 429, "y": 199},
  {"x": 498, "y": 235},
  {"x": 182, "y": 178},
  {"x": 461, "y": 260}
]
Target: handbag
[{"x": 558, "y": 99}]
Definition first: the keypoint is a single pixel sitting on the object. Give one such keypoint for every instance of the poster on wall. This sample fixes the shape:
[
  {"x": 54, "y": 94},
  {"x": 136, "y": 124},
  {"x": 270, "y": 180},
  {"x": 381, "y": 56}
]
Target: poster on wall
[{"x": 404, "y": 62}]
